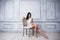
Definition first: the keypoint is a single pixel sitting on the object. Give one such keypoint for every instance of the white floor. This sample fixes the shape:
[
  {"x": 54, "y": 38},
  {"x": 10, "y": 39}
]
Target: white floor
[{"x": 19, "y": 36}]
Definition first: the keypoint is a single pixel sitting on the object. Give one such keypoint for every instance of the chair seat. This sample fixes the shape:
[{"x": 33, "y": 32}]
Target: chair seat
[{"x": 27, "y": 27}]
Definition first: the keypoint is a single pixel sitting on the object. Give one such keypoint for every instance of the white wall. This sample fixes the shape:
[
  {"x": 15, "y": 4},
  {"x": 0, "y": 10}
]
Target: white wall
[
  {"x": 44, "y": 12},
  {"x": 30, "y": 6}
]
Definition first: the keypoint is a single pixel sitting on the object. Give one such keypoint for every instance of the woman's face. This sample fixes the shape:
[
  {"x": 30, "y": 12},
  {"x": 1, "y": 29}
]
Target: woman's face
[{"x": 29, "y": 16}]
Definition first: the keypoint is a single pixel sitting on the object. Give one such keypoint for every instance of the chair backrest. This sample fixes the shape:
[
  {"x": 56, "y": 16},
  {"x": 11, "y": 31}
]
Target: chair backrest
[{"x": 24, "y": 22}]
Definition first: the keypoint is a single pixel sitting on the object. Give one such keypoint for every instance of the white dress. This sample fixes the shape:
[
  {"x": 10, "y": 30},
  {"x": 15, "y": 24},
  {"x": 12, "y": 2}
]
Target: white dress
[{"x": 29, "y": 23}]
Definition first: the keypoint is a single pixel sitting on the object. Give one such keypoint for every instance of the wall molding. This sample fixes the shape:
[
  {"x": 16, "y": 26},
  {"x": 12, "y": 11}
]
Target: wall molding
[
  {"x": 53, "y": 9},
  {"x": 7, "y": 10},
  {"x": 34, "y": 21},
  {"x": 8, "y": 26},
  {"x": 48, "y": 26}
]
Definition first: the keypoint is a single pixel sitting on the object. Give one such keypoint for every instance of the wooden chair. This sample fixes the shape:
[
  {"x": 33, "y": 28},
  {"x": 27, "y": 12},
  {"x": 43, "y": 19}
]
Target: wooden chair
[{"x": 25, "y": 27}]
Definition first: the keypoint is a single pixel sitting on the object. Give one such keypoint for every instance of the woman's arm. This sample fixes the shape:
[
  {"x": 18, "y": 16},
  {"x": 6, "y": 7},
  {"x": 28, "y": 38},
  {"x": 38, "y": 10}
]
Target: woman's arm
[{"x": 32, "y": 21}]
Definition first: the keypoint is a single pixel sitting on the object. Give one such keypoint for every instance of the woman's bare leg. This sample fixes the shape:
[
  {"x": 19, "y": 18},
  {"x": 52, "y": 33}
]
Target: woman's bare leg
[
  {"x": 39, "y": 30},
  {"x": 42, "y": 33},
  {"x": 35, "y": 30}
]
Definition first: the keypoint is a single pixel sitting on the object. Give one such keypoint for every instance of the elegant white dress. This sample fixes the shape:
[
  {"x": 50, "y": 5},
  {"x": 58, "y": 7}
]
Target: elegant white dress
[{"x": 29, "y": 23}]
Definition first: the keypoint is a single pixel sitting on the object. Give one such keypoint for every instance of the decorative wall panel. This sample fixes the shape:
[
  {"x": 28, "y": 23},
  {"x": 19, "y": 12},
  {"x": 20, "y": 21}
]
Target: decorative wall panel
[
  {"x": 8, "y": 26},
  {"x": 51, "y": 11},
  {"x": 9, "y": 11}
]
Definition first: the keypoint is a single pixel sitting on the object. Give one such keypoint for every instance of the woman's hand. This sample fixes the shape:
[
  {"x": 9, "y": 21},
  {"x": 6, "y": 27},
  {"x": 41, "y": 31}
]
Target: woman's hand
[{"x": 23, "y": 17}]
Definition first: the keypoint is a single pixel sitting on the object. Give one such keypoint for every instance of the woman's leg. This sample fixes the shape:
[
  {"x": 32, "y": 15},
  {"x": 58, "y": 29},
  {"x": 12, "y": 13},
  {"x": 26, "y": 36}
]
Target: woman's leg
[
  {"x": 35, "y": 29},
  {"x": 39, "y": 30},
  {"x": 42, "y": 33}
]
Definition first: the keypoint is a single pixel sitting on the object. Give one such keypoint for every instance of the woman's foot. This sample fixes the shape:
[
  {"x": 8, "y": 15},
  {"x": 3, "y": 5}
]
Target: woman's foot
[{"x": 46, "y": 37}]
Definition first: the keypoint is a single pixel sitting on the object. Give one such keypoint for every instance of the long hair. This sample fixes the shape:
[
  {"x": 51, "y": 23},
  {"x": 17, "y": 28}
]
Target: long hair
[{"x": 27, "y": 17}]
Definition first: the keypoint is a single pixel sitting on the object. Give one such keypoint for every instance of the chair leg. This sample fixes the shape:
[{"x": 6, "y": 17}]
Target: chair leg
[
  {"x": 23, "y": 32},
  {"x": 32, "y": 32},
  {"x": 29, "y": 32},
  {"x": 26, "y": 31}
]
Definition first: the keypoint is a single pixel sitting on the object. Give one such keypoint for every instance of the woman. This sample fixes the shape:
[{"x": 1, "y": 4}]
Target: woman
[{"x": 30, "y": 23}]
